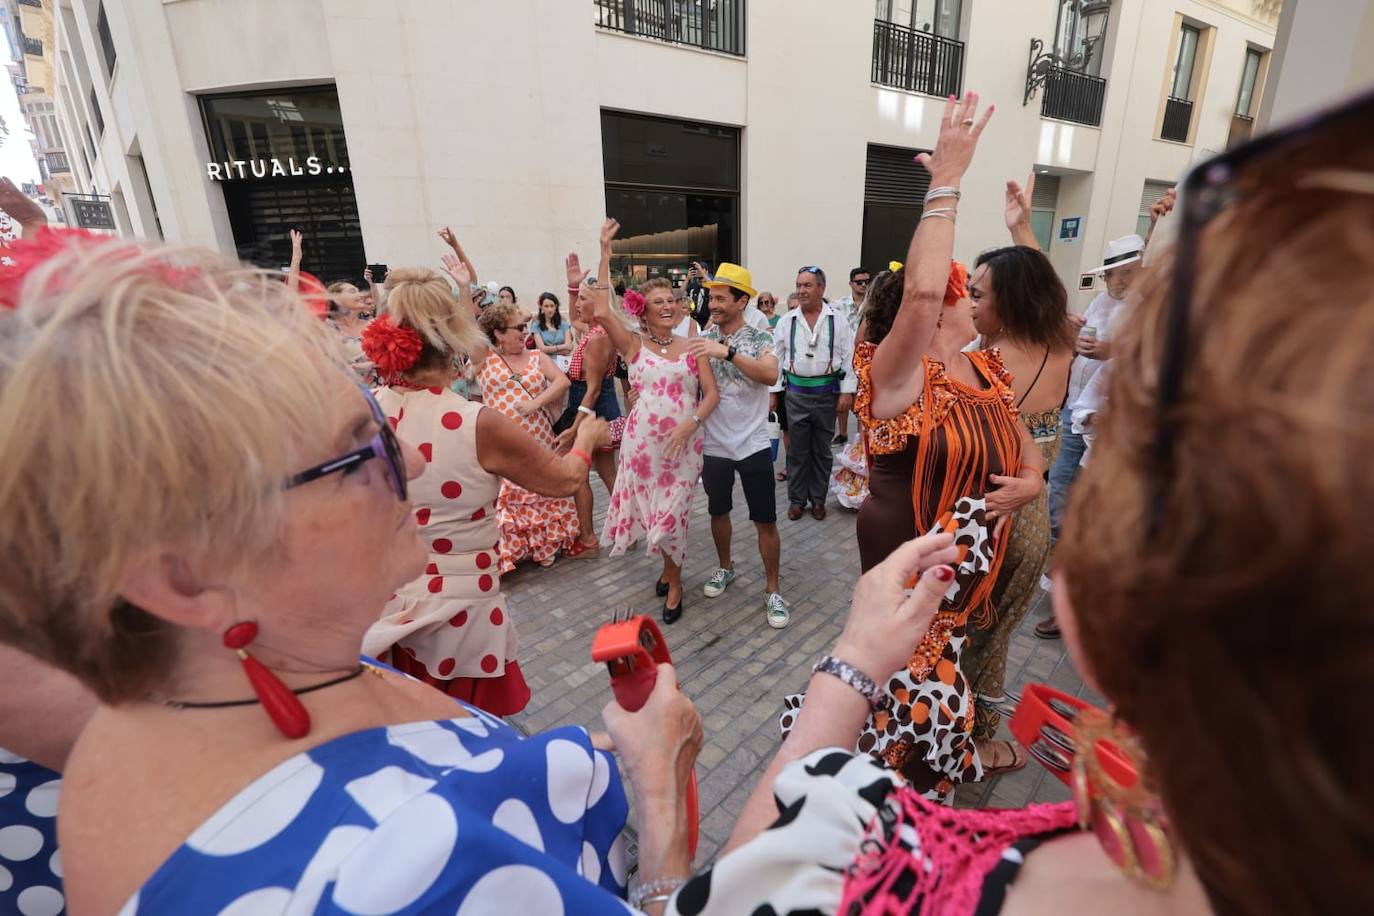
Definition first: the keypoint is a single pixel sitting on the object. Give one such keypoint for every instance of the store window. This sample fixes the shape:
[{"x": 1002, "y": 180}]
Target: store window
[
  {"x": 281, "y": 159},
  {"x": 894, "y": 192},
  {"x": 674, "y": 185}
]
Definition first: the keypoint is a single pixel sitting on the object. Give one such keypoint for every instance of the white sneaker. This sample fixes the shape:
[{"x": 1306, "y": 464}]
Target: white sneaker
[
  {"x": 779, "y": 612},
  {"x": 1046, "y": 584},
  {"x": 720, "y": 580}
]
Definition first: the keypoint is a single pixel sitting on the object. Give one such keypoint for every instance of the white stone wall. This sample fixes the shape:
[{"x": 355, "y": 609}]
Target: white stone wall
[{"x": 485, "y": 116}]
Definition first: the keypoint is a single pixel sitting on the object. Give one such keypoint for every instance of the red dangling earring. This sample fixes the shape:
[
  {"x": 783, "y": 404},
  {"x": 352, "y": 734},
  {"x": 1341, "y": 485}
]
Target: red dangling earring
[{"x": 284, "y": 708}]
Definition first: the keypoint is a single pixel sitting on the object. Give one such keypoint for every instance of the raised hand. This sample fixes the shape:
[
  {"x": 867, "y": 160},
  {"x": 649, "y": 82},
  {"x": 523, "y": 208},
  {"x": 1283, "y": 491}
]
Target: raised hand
[
  {"x": 1163, "y": 207},
  {"x": 959, "y": 133},
  {"x": 457, "y": 270},
  {"x": 609, "y": 230},
  {"x": 296, "y": 239},
  {"x": 887, "y": 618},
  {"x": 19, "y": 207},
  {"x": 1018, "y": 202},
  {"x": 576, "y": 275},
  {"x": 367, "y": 275},
  {"x": 448, "y": 238}
]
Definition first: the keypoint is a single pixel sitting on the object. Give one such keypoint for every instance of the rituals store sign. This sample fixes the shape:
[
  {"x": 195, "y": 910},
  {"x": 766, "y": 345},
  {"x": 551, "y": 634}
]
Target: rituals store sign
[{"x": 270, "y": 168}]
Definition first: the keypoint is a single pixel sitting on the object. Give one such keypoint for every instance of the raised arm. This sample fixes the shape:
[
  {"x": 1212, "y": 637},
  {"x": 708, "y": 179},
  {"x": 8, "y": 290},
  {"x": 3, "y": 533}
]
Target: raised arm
[
  {"x": 506, "y": 450},
  {"x": 448, "y": 238},
  {"x": 897, "y": 366},
  {"x": 462, "y": 278},
  {"x": 1019, "y": 213},
  {"x": 293, "y": 276},
  {"x": 624, "y": 341},
  {"x": 19, "y": 207},
  {"x": 884, "y": 625}
]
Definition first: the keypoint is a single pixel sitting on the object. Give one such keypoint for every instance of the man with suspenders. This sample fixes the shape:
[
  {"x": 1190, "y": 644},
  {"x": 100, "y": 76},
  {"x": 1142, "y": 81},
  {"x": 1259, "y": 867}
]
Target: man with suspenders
[{"x": 815, "y": 349}]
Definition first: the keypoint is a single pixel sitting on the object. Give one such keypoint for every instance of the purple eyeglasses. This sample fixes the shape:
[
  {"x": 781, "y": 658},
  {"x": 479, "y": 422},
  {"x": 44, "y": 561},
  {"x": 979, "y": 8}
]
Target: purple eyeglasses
[{"x": 384, "y": 445}]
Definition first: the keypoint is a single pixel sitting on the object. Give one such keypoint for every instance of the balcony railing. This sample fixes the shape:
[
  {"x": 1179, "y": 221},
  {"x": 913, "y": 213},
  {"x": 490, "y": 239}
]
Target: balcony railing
[
  {"x": 1178, "y": 118},
  {"x": 32, "y": 46},
  {"x": 37, "y": 3},
  {"x": 1073, "y": 96},
  {"x": 57, "y": 162},
  {"x": 713, "y": 25},
  {"x": 917, "y": 61}
]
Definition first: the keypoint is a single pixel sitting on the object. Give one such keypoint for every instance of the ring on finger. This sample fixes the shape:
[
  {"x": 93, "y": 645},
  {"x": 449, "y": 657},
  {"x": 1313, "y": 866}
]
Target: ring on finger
[{"x": 967, "y": 122}]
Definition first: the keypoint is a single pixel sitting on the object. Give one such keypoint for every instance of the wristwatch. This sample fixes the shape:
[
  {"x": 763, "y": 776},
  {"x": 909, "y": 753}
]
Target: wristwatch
[
  {"x": 877, "y": 697},
  {"x": 730, "y": 352}
]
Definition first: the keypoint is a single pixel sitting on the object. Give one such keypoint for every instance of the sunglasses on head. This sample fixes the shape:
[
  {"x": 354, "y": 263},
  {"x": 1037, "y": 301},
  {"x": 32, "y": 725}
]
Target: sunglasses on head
[
  {"x": 1206, "y": 192},
  {"x": 812, "y": 269},
  {"x": 384, "y": 445}
]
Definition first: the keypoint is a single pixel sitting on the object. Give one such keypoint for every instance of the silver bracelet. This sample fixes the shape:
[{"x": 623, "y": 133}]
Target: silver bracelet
[
  {"x": 941, "y": 212},
  {"x": 583, "y": 408},
  {"x": 943, "y": 191},
  {"x": 656, "y": 890},
  {"x": 697, "y": 419},
  {"x": 852, "y": 677}
]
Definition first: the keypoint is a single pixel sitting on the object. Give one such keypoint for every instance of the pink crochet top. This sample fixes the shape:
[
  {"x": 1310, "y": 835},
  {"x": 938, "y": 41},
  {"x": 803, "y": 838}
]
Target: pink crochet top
[{"x": 955, "y": 849}]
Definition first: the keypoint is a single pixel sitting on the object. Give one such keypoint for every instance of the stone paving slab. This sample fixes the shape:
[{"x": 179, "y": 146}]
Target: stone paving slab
[{"x": 732, "y": 664}]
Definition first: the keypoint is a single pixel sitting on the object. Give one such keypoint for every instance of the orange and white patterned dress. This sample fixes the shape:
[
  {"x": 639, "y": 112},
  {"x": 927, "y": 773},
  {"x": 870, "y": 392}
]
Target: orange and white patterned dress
[
  {"x": 450, "y": 627},
  {"x": 533, "y": 527}
]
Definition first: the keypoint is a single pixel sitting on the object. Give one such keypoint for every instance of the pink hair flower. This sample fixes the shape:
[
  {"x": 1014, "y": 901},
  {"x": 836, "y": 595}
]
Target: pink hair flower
[{"x": 634, "y": 303}]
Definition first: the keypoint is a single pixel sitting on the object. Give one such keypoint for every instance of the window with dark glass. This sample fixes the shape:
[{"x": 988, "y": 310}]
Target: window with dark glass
[
  {"x": 95, "y": 113},
  {"x": 675, "y": 187},
  {"x": 281, "y": 158},
  {"x": 934, "y": 17},
  {"x": 107, "y": 48},
  {"x": 1187, "y": 59},
  {"x": 1245, "y": 101}
]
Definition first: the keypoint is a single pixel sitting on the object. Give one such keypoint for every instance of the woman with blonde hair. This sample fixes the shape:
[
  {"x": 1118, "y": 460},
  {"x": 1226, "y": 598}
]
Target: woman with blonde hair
[
  {"x": 525, "y": 386},
  {"x": 450, "y": 627},
  {"x": 662, "y": 452}
]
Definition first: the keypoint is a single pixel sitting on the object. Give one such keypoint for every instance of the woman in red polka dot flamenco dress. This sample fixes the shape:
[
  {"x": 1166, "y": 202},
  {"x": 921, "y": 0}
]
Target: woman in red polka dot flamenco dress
[{"x": 451, "y": 627}]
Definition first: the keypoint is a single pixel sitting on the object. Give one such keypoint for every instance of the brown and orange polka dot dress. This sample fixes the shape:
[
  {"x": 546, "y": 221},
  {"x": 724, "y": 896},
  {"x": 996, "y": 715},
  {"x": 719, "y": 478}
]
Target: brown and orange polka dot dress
[{"x": 450, "y": 627}]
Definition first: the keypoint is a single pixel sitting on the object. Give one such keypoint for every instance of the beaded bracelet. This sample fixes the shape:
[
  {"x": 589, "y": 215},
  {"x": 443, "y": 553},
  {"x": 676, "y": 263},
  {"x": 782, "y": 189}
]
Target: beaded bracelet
[{"x": 656, "y": 890}]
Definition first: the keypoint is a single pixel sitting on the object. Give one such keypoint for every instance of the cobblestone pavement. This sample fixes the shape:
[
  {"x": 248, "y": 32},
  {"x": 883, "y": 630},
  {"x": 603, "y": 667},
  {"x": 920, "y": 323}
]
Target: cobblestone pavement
[{"x": 735, "y": 668}]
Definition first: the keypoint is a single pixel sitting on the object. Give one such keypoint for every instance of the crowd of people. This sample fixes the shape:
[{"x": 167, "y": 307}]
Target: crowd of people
[{"x": 253, "y": 633}]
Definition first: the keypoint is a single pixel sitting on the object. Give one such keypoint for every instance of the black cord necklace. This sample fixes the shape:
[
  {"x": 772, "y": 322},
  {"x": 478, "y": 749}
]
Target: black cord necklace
[
  {"x": 663, "y": 344},
  {"x": 224, "y": 704}
]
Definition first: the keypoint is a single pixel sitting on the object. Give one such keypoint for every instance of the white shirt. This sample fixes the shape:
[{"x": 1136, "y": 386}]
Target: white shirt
[
  {"x": 816, "y": 353},
  {"x": 1101, "y": 315},
  {"x": 738, "y": 427},
  {"x": 853, "y": 313},
  {"x": 756, "y": 319}
]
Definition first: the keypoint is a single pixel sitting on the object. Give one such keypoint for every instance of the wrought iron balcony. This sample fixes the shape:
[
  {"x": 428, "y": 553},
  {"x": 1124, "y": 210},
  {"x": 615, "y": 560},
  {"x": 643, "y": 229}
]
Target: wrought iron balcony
[
  {"x": 1178, "y": 118},
  {"x": 57, "y": 162},
  {"x": 713, "y": 25},
  {"x": 1073, "y": 96},
  {"x": 32, "y": 46},
  {"x": 917, "y": 61}
]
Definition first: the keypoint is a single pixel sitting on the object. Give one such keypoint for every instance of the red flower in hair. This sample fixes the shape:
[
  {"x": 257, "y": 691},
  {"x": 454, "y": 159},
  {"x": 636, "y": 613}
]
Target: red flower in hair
[
  {"x": 634, "y": 303},
  {"x": 392, "y": 348},
  {"x": 23, "y": 255},
  {"x": 957, "y": 286}
]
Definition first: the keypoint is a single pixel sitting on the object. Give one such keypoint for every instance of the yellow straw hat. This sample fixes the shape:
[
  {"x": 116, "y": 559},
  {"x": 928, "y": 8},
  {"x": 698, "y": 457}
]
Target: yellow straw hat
[{"x": 733, "y": 275}]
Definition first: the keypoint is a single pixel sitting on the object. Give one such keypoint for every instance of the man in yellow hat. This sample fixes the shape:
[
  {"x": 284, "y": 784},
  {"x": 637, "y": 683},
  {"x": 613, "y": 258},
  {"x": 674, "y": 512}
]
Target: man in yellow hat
[{"x": 737, "y": 442}]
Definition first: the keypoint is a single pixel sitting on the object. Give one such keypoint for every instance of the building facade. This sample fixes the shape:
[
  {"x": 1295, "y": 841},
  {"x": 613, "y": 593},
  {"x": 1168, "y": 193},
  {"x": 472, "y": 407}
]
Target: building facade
[
  {"x": 28, "y": 28},
  {"x": 773, "y": 132}
]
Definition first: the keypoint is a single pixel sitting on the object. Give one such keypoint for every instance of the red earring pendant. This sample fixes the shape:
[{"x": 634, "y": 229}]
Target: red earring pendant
[{"x": 284, "y": 708}]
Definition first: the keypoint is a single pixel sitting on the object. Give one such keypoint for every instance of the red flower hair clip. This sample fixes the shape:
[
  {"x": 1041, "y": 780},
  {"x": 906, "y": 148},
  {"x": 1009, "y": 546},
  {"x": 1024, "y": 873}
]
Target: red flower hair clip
[
  {"x": 633, "y": 302},
  {"x": 24, "y": 256},
  {"x": 956, "y": 287},
  {"x": 392, "y": 348}
]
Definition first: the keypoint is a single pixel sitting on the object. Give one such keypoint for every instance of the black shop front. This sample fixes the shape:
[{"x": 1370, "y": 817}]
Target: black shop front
[{"x": 281, "y": 159}]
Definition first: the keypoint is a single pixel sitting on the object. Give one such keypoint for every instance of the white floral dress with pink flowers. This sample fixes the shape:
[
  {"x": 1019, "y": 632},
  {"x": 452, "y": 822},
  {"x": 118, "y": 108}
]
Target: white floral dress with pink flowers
[{"x": 653, "y": 493}]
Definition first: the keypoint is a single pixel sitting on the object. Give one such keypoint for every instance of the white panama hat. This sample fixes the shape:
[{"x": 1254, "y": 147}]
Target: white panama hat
[{"x": 1120, "y": 252}]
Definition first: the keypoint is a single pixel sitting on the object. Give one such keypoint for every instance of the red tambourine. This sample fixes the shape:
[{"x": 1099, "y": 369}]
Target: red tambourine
[
  {"x": 1044, "y": 725},
  {"x": 632, "y": 648}
]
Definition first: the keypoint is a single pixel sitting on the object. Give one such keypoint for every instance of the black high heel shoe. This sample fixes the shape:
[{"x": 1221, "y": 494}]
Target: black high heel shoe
[
  {"x": 661, "y": 589},
  {"x": 672, "y": 614}
]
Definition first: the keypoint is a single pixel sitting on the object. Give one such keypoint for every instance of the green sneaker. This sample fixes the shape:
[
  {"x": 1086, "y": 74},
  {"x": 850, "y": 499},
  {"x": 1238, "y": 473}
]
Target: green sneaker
[
  {"x": 779, "y": 612},
  {"x": 719, "y": 581}
]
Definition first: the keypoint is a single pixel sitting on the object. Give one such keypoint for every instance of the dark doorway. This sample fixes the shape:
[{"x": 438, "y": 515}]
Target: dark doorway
[
  {"x": 674, "y": 186},
  {"x": 282, "y": 161}
]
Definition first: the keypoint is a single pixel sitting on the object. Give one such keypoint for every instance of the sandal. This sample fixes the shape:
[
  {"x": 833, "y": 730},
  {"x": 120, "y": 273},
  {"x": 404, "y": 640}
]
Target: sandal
[
  {"x": 1048, "y": 629},
  {"x": 548, "y": 561},
  {"x": 1017, "y": 759},
  {"x": 582, "y": 551}
]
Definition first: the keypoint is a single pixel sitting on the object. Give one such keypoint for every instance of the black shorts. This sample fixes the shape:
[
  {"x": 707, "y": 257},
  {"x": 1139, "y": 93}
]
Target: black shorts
[
  {"x": 755, "y": 475},
  {"x": 782, "y": 410}
]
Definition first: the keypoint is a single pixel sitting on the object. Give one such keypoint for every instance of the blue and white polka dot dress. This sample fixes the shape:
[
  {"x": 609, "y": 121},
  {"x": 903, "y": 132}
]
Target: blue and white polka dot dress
[
  {"x": 454, "y": 816},
  {"x": 30, "y": 865}
]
